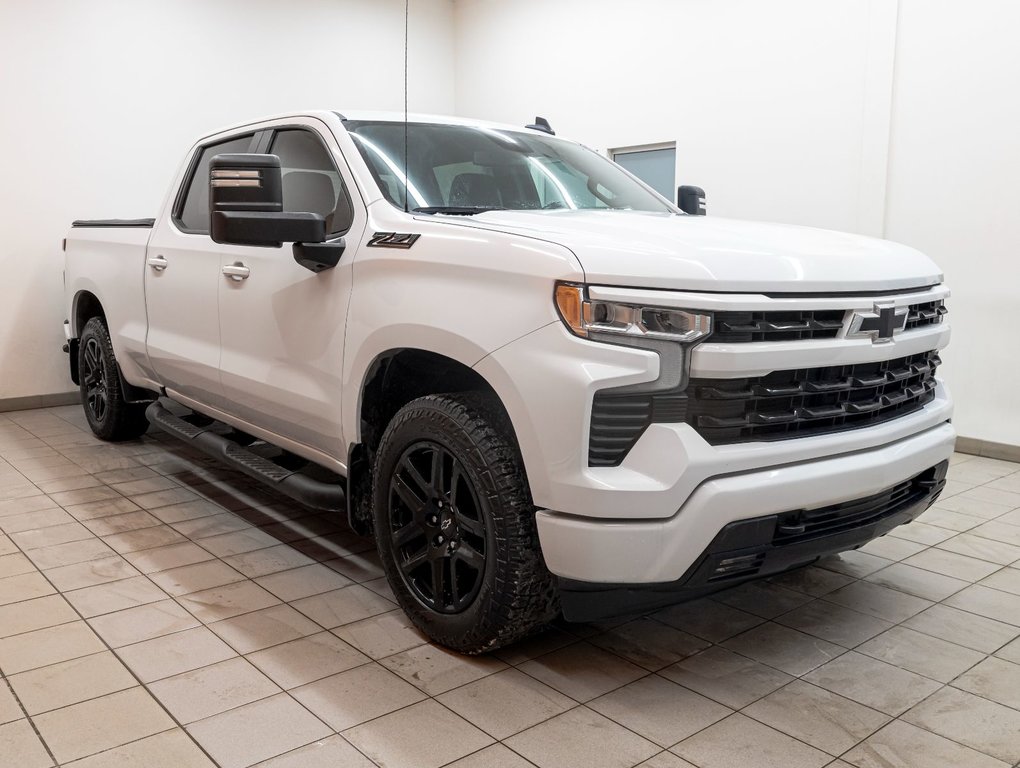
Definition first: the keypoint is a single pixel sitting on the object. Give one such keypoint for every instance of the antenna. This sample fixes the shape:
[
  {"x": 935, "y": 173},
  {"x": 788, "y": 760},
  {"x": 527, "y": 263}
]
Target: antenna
[{"x": 407, "y": 182}]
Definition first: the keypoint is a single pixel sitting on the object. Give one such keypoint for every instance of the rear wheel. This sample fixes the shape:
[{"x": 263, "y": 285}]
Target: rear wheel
[
  {"x": 455, "y": 525},
  {"x": 109, "y": 416}
]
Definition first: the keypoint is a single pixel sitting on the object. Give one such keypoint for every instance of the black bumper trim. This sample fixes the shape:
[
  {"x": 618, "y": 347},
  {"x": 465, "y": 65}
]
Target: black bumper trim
[{"x": 763, "y": 546}]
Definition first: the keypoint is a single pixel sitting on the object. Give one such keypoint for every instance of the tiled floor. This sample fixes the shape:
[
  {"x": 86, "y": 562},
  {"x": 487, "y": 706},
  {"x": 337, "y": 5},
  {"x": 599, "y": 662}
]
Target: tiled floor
[{"x": 158, "y": 610}]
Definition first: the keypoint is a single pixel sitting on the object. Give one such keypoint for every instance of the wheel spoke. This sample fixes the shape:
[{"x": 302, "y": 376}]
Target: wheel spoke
[
  {"x": 454, "y": 482},
  {"x": 91, "y": 358},
  {"x": 413, "y": 563},
  {"x": 412, "y": 472},
  {"x": 454, "y": 586},
  {"x": 408, "y": 533},
  {"x": 409, "y": 497},
  {"x": 470, "y": 556},
  {"x": 437, "y": 470},
  {"x": 470, "y": 524},
  {"x": 439, "y": 580}
]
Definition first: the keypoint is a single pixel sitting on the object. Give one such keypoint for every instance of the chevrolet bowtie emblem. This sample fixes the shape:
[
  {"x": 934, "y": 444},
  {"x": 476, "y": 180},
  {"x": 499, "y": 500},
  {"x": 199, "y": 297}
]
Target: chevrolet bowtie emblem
[{"x": 880, "y": 325}]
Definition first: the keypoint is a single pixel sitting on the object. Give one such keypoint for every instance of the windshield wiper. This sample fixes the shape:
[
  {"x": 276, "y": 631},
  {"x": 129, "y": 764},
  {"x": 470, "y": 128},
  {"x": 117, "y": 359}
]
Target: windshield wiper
[{"x": 456, "y": 210}]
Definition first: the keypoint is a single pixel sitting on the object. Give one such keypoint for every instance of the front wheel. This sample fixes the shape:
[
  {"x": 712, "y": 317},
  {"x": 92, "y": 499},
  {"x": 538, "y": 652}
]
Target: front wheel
[
  {"x": 109, "y": 416},
  {"x": 455, "y": 525}
]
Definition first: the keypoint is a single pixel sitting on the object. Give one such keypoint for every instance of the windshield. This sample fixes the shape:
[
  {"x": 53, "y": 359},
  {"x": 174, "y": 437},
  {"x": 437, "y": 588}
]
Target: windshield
[{"x": 462, "y": 169}]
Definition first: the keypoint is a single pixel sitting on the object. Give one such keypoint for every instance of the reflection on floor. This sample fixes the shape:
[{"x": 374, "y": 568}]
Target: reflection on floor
[{"x": 157, "y": 609}]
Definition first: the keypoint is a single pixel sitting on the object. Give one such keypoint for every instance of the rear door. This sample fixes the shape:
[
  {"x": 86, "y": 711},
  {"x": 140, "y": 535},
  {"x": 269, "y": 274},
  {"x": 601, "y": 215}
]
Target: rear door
[
  {"x": 182, "y": 280},
  {"x": 282, "y": 326}
]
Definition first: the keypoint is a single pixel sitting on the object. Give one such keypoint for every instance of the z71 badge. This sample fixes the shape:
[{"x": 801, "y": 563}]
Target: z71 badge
[{"x": 392, "y": 240}]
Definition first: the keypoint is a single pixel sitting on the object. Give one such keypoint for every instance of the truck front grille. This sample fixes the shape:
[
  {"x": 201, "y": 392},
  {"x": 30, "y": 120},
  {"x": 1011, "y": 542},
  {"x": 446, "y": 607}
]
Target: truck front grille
[
  {"x": 793, "y": 325},
  {"x": 780, "y": 405}
]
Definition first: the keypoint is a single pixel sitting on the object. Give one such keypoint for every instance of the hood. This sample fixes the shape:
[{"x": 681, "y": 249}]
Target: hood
[{"x": 706, "y": 253}]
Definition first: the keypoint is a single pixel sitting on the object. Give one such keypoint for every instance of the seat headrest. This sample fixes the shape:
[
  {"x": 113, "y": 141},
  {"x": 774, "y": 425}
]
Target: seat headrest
[{"x": 471, "y": 189}]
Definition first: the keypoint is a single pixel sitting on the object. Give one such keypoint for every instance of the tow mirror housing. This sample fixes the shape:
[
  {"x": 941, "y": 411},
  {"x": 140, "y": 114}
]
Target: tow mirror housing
[
  {"x": 691, "y": 200},
  {"x": 246, "y": 204}
]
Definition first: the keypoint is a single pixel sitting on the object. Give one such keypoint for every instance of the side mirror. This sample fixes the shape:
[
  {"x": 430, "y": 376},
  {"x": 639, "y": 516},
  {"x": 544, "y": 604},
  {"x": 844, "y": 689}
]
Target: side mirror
[
  {"x": 691, "y": 200},
  {"x": 246, "y": 204}
]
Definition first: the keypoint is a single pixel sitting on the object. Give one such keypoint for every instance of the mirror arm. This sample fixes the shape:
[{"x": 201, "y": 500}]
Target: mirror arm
[{"x": 318, "y": 257}]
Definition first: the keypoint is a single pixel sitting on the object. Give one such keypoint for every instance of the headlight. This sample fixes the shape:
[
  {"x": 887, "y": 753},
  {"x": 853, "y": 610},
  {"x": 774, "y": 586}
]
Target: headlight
[{"x": 584, "y": 317}]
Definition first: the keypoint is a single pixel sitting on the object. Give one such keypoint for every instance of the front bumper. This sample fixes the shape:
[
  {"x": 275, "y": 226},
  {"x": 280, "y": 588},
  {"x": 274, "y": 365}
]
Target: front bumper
[
  {"x": 622, "y": 551},
  {"x": 763, "y": 546}
]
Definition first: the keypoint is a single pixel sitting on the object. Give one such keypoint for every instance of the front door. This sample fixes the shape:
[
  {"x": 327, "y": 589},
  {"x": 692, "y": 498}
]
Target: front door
[
  {"x": 182, "y": 280},
  {"x": 281, "y": 325}
]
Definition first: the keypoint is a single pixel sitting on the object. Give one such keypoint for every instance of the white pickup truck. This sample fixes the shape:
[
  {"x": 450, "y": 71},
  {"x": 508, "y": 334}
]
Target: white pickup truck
[{"x": 541, "y": 386}]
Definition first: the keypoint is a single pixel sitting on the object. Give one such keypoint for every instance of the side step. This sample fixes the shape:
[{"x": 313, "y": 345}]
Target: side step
[{"x": 215, "y": 439}]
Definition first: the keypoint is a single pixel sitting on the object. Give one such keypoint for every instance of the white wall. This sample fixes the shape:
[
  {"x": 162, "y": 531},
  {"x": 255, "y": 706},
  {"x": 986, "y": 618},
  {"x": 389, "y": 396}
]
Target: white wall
[
  {"x": 804, "y": 112},
  {"x": 99, "y": 101},
  {"x": 954, "y": 191}
]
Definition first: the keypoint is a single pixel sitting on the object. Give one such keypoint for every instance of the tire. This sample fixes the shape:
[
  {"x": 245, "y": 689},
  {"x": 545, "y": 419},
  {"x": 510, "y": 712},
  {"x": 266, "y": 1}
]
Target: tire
[
  {"x": 470, "y": 524},
  {"x": 109, "y": 416}
]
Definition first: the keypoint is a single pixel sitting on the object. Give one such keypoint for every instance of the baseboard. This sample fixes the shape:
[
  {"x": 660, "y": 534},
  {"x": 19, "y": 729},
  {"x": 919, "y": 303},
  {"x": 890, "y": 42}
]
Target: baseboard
[
  {"x": 988, "y": 449},
  {"x": 39, "y": 401}
]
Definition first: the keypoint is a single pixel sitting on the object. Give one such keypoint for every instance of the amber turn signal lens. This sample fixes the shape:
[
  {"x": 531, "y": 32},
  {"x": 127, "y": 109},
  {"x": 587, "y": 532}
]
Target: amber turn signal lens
[{"x": 570, "y": 303}]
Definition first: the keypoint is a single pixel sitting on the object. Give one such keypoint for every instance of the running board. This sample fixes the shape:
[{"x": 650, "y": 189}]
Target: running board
[{"x": 318, "y": 494}]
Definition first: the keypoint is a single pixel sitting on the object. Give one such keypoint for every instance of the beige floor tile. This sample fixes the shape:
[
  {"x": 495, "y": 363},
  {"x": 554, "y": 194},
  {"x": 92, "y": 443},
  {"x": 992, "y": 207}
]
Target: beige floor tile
[
  {"x": 762, "y": 598},
  {"x": 307, "y": 659},
  {"x": 129, "y": 521},
  {"x": 854, "y": 563},
  {"x": 211, "y": 525},
  {"x": 142, "y": 623},
  {"x": 994, "y": 679},
  {"x": 69, "y": 553},
  {"x": 342, "y": 606},
  {"x": 359, "y": 567},
  {"x": 581, "y": 738},
  {"x": 207, "y": 691},
  {"x": 506, "y": 703},
  {"x": 42, "y": 647},
  {"x": 1010, "y": 652},
  {"x": 258, "y": 731},
  {"x": 143, "y": 485},
  {"x": 175, "y": 653},
  {"x": 31, "y": 615},
  {"x": 873, "y": 683},
  {"x": 15, "y": 565},
  {"x": 951, "y": 521},
  {"x": 876, "y": 600},
  {"x": 238, "y": 542},
  {"x": 161, "y": 499},
  {"x": 582, "y": 671},
  {"x": 817, "y": 717},
  {"x": 177, "y": 511},
  {"x": 741, "y": 741},
  {"x": 21, "y": 748},
  {"x": 424, "y": 735},
  {"x": 227, "y": 601},
  {"x": 144, "y": 538},
  {"x": 726, "y": 677},
  {"x": 920, "y": 653},
  {"x": 303, "y": 582},
  {"x": 24, "y": 505},
  {"x": 7, "y": 546},
  {"x": 901, "y": 745},
  {"x": 834, "y": 623},
  {"x": 970, "y": 720},
  {"x": 357, "y": 695},
  {"x": 262, "y": 562},
  {"x": 917, "y": 581},
  {"x": 49, "y": 537},
  {"x": 27, "y": 586},
  {"x": 103, "y": 508},
  {"x": 90, "y": 573},
  {"x": 71, "y": 682},
  {"x": 30, "y": 521},
  {"x": 495, "y": 756},
  {"x": 990, "y": 603},
  {"x": 115, "y": 596},
  {"x": 196, "y": 577},
  {"x": 892, "y": 548},
  {"x": 649, "y": 643},
  {"x": 9, "y": 708},
  {"x": 331, "y": 752},
  {"x": 436, "y": 670},
  {"x": 922, "y": 533},
  {"x": 707, "y": 619},
  {"x": 659, "y": 710},
  {"x": 812, "y": 580},
  {"x": 785, "y": 649},
  {"x": 382, "y": 635},
  {"x": 1007, "y": 580},
  {"x": 953, "y": 564},
  {"x": 264, "y": 628},
  {"x": 966, "y": 629},
  {"x": 168, "y": 557},
  {"x": 982, "y": 549},
  {"x": 169, "y": 749},
  {"x": 100, "y": 724}
]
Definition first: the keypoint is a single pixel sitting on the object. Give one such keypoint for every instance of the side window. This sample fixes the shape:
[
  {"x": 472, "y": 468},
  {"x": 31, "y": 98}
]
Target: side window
[
  {"x": 311, "y": 182},
  {"x": 194, "y": 214}
]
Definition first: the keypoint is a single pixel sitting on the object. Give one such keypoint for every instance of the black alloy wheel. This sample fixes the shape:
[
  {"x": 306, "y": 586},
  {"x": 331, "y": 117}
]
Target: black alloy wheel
[
  {"x": 437, "y": 528},
  {"x": 94, "y": 379},
  {"x": 109, "y": 414}
]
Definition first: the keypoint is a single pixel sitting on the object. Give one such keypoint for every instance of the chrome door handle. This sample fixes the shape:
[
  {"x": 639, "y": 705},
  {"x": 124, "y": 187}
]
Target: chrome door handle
[
  {"x": 158, "y": 263},
  {"x": 236, "y": 271}
]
